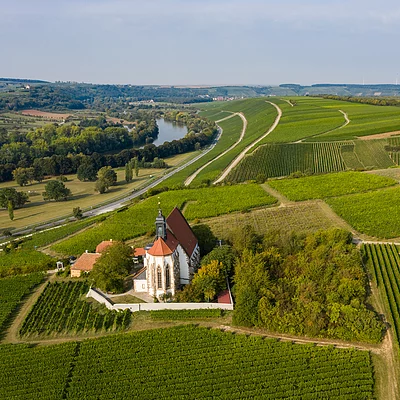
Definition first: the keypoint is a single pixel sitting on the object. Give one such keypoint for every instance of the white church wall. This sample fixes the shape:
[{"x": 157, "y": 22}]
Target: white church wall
[
  {"x": 184, "y": 277},
  {"x": 140, "y": 285}
]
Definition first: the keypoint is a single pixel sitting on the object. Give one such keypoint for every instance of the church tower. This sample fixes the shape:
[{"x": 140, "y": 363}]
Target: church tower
[{"x": 161, "y": 226}]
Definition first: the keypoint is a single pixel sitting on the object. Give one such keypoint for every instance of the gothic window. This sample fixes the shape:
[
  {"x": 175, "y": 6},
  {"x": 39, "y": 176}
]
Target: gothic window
[
  {"x": 159, "y": 278},
  {"x": 167, "y": 277}
]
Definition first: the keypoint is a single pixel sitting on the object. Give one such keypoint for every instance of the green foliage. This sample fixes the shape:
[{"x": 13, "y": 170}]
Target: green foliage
[
  {"x": 177, "y": 315},
  {"x": 223, "y": 254},
  {"x": 56, "y": 190},
  {"x": 35, "y": 372},
  {"x": 12, "y": 291},
  {"x": 77, "y": 212},
  {"x": 113, "y": 266},
  {"x": 17, "y": 199},
  {"x": 86, "y": 171},
  {"x": 139, "y": 219},
  {"x": 60, "y": 310},
  {"x": 205, "y": 237},
  {"x": 319, "y": 291},
  {"x": 372, "y": 213},
  {"x": 205, "y": 364},
  {"x": 128, "y": 172},
  {"x": 384, "y": 261},
  {"x": 23, "y": 175},
  {"x": 324, "y": 186}
]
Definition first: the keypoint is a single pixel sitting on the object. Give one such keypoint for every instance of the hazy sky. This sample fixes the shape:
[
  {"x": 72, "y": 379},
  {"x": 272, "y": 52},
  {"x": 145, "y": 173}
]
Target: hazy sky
[{"x": 201, "y": 41}]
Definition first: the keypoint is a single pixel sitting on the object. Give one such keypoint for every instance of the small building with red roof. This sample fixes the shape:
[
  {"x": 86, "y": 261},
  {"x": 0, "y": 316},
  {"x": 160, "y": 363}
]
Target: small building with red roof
[{"x": 169, "y": 262}]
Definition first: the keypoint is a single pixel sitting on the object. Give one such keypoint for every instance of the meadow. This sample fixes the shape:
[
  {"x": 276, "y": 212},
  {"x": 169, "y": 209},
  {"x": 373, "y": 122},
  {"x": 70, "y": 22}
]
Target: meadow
[
  {"x": 372, "y": 213},
  {"x": 61, "y": 309},
  {"x": 324, "y": 186},
  {"x": 139, "y": 219},
  {"x": 83, "y": 196},
  {"x": 12, "y": 291}
]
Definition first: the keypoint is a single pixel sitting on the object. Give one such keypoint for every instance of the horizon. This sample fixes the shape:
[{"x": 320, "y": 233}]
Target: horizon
[{"x": 182, "y": 43}]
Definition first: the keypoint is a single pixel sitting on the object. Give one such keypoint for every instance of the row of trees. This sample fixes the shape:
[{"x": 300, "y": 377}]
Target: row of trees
[{"x": 375, "y": 101}]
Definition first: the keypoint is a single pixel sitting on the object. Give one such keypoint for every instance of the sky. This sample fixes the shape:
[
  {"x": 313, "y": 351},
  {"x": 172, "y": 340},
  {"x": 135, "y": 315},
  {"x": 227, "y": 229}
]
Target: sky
[{"x": 201, "y": 42}]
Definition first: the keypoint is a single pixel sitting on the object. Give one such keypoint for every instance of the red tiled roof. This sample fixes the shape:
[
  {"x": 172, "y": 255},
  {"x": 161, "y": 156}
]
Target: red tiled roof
[
  {"x": 160, "y": 248},
  {"x": 182, "y": 231},
  {"x": 140, "y": 251},
  {"x": 86, "y": 261},
  {"x": 103, "y": 245}
]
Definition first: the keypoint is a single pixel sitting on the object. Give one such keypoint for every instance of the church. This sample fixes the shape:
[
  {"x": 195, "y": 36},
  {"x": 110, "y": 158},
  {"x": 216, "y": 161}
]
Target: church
[{"x": 170, "y": 262}]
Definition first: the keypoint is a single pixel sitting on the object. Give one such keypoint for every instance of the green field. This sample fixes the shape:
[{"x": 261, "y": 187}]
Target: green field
[
  {"x": 139, "y": 219},
  {"x": 12, "y": 291},
  {"x": 324, "y": 186},
  {"x": 62, "y": 310},
  {"x": 383, "y": 262},
  {"x": 373, "y": 213},
  {"x": 276, "y": 160},
  {"x": 191, "y": 362}
]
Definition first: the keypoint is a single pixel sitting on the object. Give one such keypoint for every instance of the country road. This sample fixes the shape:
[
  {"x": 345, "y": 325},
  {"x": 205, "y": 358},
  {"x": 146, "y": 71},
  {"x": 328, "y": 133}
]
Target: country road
[
  {"x": 190, "y": 179},
  {"x": 115, "y": 205},
  {"x": 239, "y": 158}
]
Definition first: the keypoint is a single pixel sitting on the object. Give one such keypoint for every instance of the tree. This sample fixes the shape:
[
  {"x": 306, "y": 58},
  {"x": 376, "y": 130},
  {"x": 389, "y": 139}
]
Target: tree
[
  {"x": 106, "y": 178},
  {"x": 78, "y": 214},
  {"x": 205, "y": 237},
  {"x": 23, "y": 175},
  {"x": 10, "y": 210},
  {"x": 56, "y": 190},
  {"x": 86, "y": 171},
  {"x": 223, "y": 254},
  {"x": 113, "y": 267},
  {"x": 18, "y": 199},
  {"x": 136, "y": 166},
  {"x": 128, "y": 172}
]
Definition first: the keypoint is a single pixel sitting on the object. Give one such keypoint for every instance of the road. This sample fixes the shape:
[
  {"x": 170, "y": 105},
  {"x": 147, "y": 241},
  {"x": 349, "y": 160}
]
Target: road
[
  {"x": 115, "y": 205},
  {"x": 190, "y": 179}
]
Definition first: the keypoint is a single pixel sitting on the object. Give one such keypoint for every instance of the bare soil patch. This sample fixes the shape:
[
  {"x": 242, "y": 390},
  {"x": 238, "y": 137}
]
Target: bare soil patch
[
  {"x": 45, "y": 114},
  {"x": 379, "y": 135}
]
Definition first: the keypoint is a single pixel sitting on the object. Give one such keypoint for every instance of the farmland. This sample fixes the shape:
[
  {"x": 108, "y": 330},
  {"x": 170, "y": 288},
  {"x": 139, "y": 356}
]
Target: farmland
[
  {"x": 324, "y": 186},
  {"x": 201, "y": 363},
  {"x": 61, "y": 311},
  {"x": 139, "y": 219},
  {"x": 371, "y": 213},
  {"x": 276, "y": 160},
  {"x": 383, "y": 261},
  {"x": 12, "y": 290}
]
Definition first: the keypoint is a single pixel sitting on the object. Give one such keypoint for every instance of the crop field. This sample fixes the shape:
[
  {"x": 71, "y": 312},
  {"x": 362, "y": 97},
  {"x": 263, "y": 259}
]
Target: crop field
[
  {"x": 384, "y": 264},
  {"x": 214, "y": 115},
  {"x": 38, "y": 373},
  {"x": 373, "y": 213},
  {"x": 372, "y": 153},
  {"x": 60, "y": 310},
  {"x": 12, "y": 291},
  {"x": 177, "y": 315},
  {"x": 203, "y": 363},
  {"x": 324, "y": 186},
  {"x": 139, "y": 219},
  {"x": 191, "y": 362},
  {"x": 300, "y": 218},
  {"x": 284, "y": 159}
]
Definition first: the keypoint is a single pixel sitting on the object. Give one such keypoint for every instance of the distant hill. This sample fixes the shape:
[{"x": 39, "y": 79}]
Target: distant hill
[{"x": 18, "y": 80}]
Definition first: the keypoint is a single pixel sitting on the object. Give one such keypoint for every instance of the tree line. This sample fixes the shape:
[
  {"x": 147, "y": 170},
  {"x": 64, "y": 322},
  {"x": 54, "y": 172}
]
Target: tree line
[{"x": 375, "y": 101}]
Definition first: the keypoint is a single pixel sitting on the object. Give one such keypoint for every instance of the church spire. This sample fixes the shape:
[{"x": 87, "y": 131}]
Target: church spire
[{"x": 161, "y": 226}]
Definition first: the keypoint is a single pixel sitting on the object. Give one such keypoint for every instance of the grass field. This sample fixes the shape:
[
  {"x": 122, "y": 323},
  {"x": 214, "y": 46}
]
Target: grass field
[
  {"x": 324, "y": 186},
  {"x": 373, "y": 213},
  {"x": 139, "y": 219},
  {"x": 192, "y": 363},
  {"x": 83, "y": 196},
  {"x": 300, "y": 218}
]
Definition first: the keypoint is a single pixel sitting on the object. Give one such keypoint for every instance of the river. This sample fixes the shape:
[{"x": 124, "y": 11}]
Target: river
[{"x": 169, "y": 131}]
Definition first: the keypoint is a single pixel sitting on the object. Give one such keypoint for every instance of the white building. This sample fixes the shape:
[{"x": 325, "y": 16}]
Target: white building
[{"x": 170, "y": 262}]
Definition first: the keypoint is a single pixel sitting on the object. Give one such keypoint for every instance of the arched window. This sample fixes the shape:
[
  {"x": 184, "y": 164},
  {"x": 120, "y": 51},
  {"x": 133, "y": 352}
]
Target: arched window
[
  {"x": 167, "y": 277},
  {"x": 159, "y": 278}
]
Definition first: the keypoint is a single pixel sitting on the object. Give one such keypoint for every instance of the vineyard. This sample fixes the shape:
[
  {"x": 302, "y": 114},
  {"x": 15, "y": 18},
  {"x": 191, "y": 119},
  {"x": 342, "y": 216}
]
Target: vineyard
[
  {"x": 12, "y": 291},
  {"x": 139, "y": 219},
  {"x": 38, "y": 373},
  {"x": 324, "y": 186},
  {"x": 372, "y": 213},
  {"x": 384, "y": 263},
  {"x": 198, "y": 363},
  {"x": 276, "y": 160},
  {"x": 175, "y": 315},
  {"x": 60, "y": 310},
  {"x": 301, "y": 218}
]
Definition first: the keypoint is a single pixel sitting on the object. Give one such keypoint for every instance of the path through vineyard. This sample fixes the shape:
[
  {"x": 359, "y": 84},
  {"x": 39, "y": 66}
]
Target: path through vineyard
[
  {"x": 190, "y": 179},
  {"x": 240, "y": 157}
]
